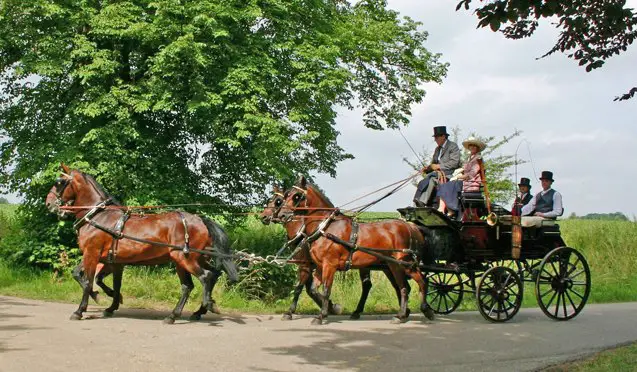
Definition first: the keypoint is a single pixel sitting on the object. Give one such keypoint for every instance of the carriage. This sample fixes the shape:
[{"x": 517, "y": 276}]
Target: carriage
[{"x": 471, "y": 254}]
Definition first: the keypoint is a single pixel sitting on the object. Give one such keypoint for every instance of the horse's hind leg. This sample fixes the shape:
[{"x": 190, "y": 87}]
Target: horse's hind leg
[
  {"x": 366, "y": 282},
  {"x": 305, "y": 276},
  {"x": 117, "y": 271},
  {"x": 327, "y": 279},
  {"x": 311, "y": 289},
  {"x": 186, "y": 287},
  {"x": 392, "y": 280},
  {"x": 207, "y": 292},
  {"x": 422, "y": 283}
]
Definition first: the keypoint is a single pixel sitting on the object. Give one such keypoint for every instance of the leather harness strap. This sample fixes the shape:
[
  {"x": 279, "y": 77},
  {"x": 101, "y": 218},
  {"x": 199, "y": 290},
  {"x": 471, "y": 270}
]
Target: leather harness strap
[
  {"x": 186, "y": 248},
  {"x": 353, "y": 238},
  {"x": 117, "y": 230}
]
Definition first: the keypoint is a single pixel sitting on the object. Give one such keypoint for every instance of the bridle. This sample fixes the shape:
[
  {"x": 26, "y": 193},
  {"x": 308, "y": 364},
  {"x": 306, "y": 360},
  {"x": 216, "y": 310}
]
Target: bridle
[{"x": 60, "y": 186}]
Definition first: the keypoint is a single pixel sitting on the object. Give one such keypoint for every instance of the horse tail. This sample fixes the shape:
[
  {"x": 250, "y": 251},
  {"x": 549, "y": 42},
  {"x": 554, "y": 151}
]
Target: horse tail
[{"x": 221, "y": 244}]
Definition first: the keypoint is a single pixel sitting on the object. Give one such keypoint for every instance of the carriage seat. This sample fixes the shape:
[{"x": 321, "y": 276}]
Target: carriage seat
[
  {"x": 529, "y": 221},
  {"x": 472, "y": 199}
]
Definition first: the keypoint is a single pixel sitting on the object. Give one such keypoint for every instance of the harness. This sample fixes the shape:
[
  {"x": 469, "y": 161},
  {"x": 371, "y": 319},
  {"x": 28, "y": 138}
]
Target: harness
[{"x": 352, "y": 247}]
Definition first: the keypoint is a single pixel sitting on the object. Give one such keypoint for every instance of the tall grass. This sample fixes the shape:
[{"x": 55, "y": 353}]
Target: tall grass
[{"x": 610, "y": 248}]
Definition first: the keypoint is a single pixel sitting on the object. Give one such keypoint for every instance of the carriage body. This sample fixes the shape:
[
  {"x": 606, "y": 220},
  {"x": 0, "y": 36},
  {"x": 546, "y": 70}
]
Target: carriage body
[{"x": 481, "y": 261}]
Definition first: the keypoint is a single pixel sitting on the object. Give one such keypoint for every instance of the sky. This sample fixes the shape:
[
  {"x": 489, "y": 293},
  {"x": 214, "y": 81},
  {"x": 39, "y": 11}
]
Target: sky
[{"x": 570, "y": 123}]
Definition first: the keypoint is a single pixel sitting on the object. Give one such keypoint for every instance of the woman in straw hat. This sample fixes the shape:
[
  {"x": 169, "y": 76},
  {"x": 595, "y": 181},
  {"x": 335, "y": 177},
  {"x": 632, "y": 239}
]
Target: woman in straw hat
[{"x": 468, "y": 181}]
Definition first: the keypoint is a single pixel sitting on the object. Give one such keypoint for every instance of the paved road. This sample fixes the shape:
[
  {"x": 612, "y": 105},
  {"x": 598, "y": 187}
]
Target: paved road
[{"x": 37, "y": 336}]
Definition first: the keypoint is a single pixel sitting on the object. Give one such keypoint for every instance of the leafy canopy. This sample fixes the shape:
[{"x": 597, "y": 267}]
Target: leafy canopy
[
  {"x": 591, "y": 31},
  {"x": 173, "y": 101}
]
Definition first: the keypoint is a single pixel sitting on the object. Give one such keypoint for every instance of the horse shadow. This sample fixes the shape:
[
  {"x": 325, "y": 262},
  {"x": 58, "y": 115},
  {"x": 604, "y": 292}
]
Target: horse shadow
[{"x": 159, "y": 315}]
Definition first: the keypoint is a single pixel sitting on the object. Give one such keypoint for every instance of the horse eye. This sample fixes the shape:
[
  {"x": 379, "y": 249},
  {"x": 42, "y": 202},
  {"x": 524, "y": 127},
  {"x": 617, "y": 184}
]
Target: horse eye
[{"x": 278, "y": 202}]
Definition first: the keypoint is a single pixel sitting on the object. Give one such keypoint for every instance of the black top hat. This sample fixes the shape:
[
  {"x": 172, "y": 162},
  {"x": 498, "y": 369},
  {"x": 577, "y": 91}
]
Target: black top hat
[
  {"x": 525, "y": 182},
  {"x": 440, "y": 131},
  {"x": 546, "y": 175}
]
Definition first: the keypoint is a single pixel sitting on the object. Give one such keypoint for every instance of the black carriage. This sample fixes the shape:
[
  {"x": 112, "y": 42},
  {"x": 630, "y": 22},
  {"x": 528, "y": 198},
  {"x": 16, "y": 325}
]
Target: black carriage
[{"x": 474, "y": 253}]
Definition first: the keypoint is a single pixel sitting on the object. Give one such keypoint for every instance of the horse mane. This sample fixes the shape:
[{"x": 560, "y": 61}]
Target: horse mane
[
  {"x": 91, "y": 180},
  {"x": 320, "y": 193}
]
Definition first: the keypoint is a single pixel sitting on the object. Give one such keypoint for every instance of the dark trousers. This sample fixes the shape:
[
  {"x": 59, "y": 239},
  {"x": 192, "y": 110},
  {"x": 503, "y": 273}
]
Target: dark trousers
[{"x": 426, "y": 188}]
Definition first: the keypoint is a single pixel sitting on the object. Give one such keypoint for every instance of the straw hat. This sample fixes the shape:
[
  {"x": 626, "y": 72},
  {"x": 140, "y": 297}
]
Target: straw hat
[{"x": 474, "y": 141}]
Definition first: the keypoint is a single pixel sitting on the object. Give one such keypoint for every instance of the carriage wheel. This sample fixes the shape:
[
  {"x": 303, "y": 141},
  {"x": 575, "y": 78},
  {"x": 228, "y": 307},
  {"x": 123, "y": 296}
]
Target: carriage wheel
[
  {"x": 499, "y": 294},
  {"x": 515, "y": 265},
  {"x": 563, "y": 283},
  {"x": 445, "y": 292}
]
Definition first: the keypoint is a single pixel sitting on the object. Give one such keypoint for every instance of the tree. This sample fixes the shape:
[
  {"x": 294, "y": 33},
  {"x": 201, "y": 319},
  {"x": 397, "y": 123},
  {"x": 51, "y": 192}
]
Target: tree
[
  {"x": 169, "y": 101},
  {"x": 591, "y": 31},
  {"x": 3, "y": 200},
  {"x": 497, "y": 167}
]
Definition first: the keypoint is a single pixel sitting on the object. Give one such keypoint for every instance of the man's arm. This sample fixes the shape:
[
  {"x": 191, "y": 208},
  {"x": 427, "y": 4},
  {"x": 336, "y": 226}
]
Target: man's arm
[
  {"x": 557, "y": 207},
  {"x": 530, "y": 207}
]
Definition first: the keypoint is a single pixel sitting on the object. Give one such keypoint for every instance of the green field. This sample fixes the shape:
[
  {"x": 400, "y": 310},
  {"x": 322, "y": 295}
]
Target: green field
[{"x": 610, "y": 248}]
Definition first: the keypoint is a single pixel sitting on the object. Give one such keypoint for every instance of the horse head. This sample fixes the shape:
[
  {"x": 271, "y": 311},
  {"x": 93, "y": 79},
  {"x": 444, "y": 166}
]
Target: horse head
[
  {"x": 271, "y": 211},
  {"x": 72, "y": 188},
  {"x": 304, "y": 199}
]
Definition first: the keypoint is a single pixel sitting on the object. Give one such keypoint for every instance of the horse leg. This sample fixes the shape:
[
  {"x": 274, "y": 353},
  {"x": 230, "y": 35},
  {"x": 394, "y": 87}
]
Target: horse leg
[
  {"x": 417, "y": 276},
  {"x": 208, "y": 293},
  {"x": 186, "y": 287},
  {"x": 78, "y": 275},
  {"x": 392, "y": 280},
  {"x": 102, "y": 273},
  {"x": 366, "y": 282},
  {"x": 327, "y": 279},
  {"x": 311, "y": 289},
  {"x": 399, "y": 277},
  {"x": 89, "y": 264},
  {"x": 305, "y": 274},
  {"x": 117, "y": 271}
]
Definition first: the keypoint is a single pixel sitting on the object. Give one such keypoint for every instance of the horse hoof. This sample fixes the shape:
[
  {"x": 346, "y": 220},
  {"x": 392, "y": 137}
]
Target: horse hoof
[
  {"x": 337, "y": 309},
  {"x": 408, "y": 312},
  {"x": 317, "y": 321},
  {"x": 121, "y": 300},
  {"x": 108, "y": 313},
  {"x": 286, "y": 316},
  {"x": 169, "y": 320},
  {"x": 429, "y": 313},
  {"x": 355, "y": 316},
  {"x": 397, "y": 320},
  {"x": 195, "y": 317},
  {"x": 214, "y": 308},
  {"x": 75, "y": 316},
  {"x": 96, "y": 297}
]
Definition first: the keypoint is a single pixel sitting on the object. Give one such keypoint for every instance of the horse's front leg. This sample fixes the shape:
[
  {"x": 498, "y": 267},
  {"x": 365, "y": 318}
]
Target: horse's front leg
[
  {"x": 327, "y": 279},
  {"x": 78, "y": 275},
  {"x": 305, "y": 276},
  {"x": 89, "y": 262},
  {"x": 399, "y": 294},
  {"x": 366, "y": 282},
  {"x": 398, "y": 273}
]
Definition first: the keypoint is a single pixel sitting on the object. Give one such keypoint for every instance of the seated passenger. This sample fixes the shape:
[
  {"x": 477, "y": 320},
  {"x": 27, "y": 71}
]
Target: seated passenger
[
  {"x": 469, "y": 181},
  {"x": 547, "y": 203},
  {"x": 525, "y": 195}
]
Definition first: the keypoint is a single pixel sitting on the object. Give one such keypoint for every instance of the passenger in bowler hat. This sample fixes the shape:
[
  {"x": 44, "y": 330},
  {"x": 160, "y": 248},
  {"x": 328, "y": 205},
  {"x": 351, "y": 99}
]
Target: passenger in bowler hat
[
  {"x": 446, "y": 158},
  {"x": 547, "y": 203},
  {"x": 525, "y": 196}
]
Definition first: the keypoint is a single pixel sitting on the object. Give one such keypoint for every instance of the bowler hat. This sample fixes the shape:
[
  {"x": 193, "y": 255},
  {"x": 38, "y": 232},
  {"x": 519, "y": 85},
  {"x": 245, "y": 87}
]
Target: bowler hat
[
  {"x": 440, "y": 131},
  {"x": 546, "y": 175},
  {"x": 525, "y": 182}
]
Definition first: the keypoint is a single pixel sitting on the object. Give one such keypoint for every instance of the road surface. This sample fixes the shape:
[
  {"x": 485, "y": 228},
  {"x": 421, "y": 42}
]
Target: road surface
[{"x": 38, "y": 336}]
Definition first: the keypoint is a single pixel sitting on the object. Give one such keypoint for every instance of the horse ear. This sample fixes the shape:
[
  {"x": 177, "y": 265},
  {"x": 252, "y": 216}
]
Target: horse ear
[
  {"x": 302, "y": 182},
  {"x": 65, "y": 168}
]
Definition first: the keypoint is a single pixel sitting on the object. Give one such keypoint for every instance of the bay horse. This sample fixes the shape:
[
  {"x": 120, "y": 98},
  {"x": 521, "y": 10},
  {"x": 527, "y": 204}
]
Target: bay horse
[
  {"x": 295, "y": 233},
  {"x": 112, "y": 236},
  {"x": 338, "y": 243}
]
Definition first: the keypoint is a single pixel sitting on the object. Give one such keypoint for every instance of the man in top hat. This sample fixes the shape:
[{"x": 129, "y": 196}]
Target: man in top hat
[
  {"x": 525, "y": 196},
  {"x": 547, "y": 203},
  {"x": 446, "y": 159}
]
